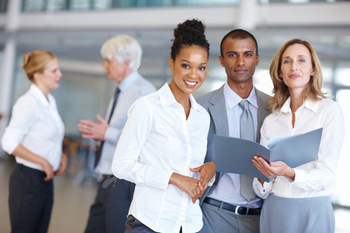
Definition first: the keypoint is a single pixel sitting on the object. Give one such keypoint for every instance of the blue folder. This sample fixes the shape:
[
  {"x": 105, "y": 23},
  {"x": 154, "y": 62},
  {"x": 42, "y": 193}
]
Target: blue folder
[{"x": 234, "y": 155}]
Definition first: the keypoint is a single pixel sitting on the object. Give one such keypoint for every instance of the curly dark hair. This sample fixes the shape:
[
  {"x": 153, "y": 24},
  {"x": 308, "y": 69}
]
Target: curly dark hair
[{"x": 190, "y": 32}]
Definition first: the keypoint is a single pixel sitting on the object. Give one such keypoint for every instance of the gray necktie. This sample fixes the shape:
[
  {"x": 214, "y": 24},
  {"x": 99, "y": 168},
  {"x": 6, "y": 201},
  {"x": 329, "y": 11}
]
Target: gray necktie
[{"x": 247, "y": 132}]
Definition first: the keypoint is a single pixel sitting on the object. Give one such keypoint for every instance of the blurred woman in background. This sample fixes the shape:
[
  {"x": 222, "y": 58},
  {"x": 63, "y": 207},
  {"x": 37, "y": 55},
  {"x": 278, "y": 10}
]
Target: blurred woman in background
[{"x": 34, "y": 136}]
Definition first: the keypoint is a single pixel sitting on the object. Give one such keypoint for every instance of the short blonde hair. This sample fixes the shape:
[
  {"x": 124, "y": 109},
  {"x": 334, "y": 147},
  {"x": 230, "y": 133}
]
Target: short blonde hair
[
  {"x": 35, "y": 62},
  {"x": 123, "y": 47},
  {"x": 312, "y": 92}
]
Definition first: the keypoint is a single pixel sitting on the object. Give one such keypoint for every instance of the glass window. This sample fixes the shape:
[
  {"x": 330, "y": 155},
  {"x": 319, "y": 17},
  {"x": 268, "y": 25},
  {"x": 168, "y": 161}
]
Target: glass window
[
  {"x": 295, "y": 1},
  {"x": 162, "y": 3},
  {"x": 102, "y": 4},
  {"x": 79, "y": 4},
  {"x": 205, "y": 2},
  {"x": 124, "y": 4},
  {"x": 57, "y": 5},
  {"x": 34, "y": 5},
  {"x": 141, "y": 3}
]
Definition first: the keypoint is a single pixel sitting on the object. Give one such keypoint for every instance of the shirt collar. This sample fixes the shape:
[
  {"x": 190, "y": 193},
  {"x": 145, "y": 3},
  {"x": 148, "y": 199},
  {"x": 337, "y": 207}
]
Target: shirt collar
[
  {"x": 35, "y": 90},
  {"x": 286, "y": 106},
  {"x": 232, "y": 99},
  {"x": 312, "y": 105},
  {"x": 128, "y": 81},
  {"x": 167, "y": 98}
]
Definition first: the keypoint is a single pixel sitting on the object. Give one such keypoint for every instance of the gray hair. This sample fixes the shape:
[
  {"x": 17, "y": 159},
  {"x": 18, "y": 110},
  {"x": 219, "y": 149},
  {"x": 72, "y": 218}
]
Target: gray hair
[{"x": 123, "y": 47}]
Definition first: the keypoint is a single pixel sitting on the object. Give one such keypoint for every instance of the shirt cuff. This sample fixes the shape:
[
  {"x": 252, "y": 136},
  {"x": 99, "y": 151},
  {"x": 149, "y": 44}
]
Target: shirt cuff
[
  {"x": 263, "y": 191},
  {"x": 112, "y": 134},
  {"x": 211, "y": 182},
  {"x": 300, "y": 176}
]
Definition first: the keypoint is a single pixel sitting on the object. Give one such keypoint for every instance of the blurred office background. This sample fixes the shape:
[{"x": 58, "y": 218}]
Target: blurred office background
[{"x": 75, "y": 30}]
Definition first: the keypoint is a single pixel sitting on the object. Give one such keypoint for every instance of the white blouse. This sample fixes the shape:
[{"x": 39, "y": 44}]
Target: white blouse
[
  {"x": 36, "y": 124},
  {"x": 156, "y": 141},
  {"x": 315, "y": 178}
]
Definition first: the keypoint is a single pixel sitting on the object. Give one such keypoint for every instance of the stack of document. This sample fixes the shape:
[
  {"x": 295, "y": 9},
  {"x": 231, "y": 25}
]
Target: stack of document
[{"x": 234, "y": 155}]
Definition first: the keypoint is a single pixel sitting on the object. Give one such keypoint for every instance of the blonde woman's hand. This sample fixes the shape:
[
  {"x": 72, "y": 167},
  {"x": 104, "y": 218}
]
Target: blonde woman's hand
[
  {"x": 272, "y": 169},
  {"x": 48, "y": 169},
  {"x": 63, "y": 165}
]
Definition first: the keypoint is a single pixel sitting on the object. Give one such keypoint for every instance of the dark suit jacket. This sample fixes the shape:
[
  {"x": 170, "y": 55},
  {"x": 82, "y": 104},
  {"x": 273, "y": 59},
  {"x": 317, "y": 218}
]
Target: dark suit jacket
[{"x": 214, "y": 103}]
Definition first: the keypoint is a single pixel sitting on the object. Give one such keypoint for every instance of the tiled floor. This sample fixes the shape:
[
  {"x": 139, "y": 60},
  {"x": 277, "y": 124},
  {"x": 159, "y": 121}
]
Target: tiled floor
[{"x": 72, "y": 201}]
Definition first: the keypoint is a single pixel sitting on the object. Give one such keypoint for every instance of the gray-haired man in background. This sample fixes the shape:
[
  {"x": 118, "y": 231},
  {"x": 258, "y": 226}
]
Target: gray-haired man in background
[{"x": 122, "y": 56}]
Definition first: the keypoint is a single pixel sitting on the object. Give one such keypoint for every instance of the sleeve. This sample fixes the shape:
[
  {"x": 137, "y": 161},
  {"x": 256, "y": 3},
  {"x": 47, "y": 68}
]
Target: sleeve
[
  {"x": 126, "y": 162},
  {"x": 24, "y": 114},
  {"x": 212, "y": 180},
  {"x": 263, "y": 191},
  {"x": 263, "y": 137},
  {"x": 112, "y": 134},
  {"x": 322, "y": 175}
]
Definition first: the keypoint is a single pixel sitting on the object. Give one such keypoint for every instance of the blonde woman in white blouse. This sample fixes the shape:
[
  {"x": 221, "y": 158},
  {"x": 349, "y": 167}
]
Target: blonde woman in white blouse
[
  {"x": 34, "y": 136},
  {"x": 298, "y": 200}
]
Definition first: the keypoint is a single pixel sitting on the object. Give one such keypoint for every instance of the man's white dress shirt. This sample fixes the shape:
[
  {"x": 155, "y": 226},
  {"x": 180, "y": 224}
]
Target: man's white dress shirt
[{"x": 131, "y": 88}]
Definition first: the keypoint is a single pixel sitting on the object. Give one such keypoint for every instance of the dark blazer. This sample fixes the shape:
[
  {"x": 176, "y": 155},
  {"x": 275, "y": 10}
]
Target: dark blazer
[{"x": 214, "y": 103}]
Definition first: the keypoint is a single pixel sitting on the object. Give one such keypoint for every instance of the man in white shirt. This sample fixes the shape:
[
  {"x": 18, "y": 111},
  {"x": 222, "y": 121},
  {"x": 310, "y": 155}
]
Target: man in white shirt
[
  {"x": 122, "y": 56},
  {"x": 224, "y": 208}
]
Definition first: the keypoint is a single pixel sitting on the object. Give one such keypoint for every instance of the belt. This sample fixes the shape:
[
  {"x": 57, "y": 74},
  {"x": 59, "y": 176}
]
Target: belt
[
  {"x": 107, "y": 176},
  {"x": 236, "y": 209}
]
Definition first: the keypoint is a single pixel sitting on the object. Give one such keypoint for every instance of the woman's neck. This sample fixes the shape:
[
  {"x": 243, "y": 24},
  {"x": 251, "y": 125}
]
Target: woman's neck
[
  {"x": 296, "y": 100},
  {"x": 44, "y": 91}
]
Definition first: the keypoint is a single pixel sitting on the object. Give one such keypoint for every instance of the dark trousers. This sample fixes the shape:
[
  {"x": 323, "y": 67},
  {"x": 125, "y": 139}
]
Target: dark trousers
[
  {"x": 133, "y": 225},
  {"x": 30, "y": 200},
  {"x": 109, "y": 211}
]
